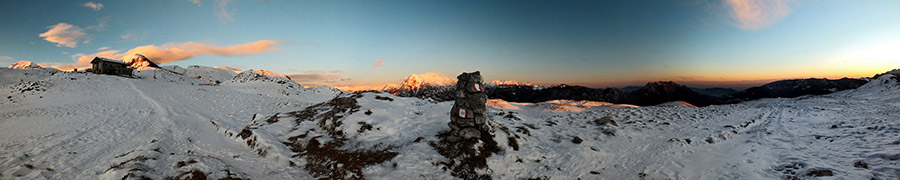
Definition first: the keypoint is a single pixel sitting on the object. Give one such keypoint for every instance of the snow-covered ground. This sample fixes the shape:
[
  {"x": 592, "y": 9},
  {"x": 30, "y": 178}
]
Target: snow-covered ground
[{"x": 65, "y": 125}]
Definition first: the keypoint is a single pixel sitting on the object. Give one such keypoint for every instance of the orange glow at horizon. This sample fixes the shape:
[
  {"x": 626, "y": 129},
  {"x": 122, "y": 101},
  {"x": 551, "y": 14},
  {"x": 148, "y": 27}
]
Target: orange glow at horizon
[{"x": 743, "y": 80}]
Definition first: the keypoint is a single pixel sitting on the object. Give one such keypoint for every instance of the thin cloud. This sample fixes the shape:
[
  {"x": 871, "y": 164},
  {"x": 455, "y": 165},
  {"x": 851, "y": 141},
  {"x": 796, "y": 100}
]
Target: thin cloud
[
  {"x": 101, "y": 24},
  {"x": 127, "y": 36},
  {"x": 222, "y": 10},
  {"x": 172, "y": 52},
  {"x": 64, "y": 34},
  {"x": 378, "y": 64},
  {"x": 758, "y": 14},
  {"x": 324, "y": 72},
  {"x": 6, "y": 60},
  {"x": 93, "y": 5},
  {"x": 102, "y": 48},
  {"x": 319, "y": 78},
  {"x": 64, "y": 66},
  {"x": 688, "y": 78}
]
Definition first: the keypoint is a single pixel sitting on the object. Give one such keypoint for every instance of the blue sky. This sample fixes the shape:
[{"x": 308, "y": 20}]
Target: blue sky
[{"x": 593, "y": 43}]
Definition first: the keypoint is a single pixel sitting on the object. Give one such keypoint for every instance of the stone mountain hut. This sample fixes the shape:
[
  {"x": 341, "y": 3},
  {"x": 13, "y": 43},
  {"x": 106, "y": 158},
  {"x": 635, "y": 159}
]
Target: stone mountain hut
[{"x": 109, "y": 66}]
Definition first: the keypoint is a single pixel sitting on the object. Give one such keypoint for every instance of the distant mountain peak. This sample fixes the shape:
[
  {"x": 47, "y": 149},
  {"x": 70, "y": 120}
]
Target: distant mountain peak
[
  {"x": 268, "y": 73},
  {"x": 509, "y": 83},
  {"x": 24, "y": 65},
  {"x": 262, "y": 76},
  {"x": 664, "y": 87},
  {"x": 417, "y": 81}
]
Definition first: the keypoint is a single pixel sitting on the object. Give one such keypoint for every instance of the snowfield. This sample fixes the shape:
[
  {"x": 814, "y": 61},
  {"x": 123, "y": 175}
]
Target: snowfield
[{"x": 259, "y": 125}]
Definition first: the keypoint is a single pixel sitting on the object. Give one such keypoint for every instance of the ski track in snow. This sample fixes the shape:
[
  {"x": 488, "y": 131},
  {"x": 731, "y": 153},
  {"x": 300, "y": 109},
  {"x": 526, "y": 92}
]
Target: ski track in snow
[{"x": 86, "y": 126}]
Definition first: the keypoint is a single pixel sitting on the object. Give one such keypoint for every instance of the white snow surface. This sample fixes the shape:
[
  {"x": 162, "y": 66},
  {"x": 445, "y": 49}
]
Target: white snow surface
[
  {"x": 209, "y": 73},
  {"x": 69, "y": 125}
]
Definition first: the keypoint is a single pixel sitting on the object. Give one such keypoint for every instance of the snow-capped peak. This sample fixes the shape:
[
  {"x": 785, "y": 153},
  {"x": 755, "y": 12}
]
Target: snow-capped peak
[
  {"x": 268, "y": 73},
  {"x": 261, "y": 75},
  {"x": 139, "y": 62},
  {"x": 24, "y": 65},
  {"x": 417, "y": 81},
  {"x": 508, "y": 83},
  {"x": 882, "y": 86}
]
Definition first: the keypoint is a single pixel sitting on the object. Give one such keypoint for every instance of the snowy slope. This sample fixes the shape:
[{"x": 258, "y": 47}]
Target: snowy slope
[
  {"x": 64, "y": 125},
  {"x": 95, "y": 126}
]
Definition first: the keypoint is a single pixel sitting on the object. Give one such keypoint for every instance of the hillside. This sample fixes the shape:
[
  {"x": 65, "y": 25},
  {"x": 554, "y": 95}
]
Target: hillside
[{"x": 64, "y": 125}]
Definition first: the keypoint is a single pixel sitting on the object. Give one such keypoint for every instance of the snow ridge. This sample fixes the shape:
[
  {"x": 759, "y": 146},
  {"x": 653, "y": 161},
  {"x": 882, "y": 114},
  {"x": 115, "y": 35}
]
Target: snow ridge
[
  {"x": 261, "y": 76},
  {"x": 24, "y": 65}
]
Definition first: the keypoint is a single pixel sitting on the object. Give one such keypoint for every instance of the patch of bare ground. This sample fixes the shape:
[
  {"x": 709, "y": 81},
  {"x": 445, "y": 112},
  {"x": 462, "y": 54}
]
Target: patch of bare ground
[
  {"x": 136, "y": 167},
  {"x": 196, "y": 174},
  {"x": 331, "y": 113},
  {"x": 329, "y": 160},
  {"x": 820, "y": 172},
  {"x": 466, "y": 156},
  {"x": 328, "y": 156}
]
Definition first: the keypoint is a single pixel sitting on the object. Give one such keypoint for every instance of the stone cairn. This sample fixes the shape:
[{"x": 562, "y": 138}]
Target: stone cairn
[{"x": 467, "y": 120}]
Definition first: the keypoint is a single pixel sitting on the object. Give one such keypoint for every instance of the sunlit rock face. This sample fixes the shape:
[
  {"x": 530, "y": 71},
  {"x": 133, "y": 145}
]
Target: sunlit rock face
[
  {"x": 139, "y": 62},
  {"x": 24, "y": 65},
  {"x": 430, "y": 85}
]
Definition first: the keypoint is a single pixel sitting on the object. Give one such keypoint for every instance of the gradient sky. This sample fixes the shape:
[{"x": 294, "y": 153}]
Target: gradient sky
[{"x": 592, "y": 43}]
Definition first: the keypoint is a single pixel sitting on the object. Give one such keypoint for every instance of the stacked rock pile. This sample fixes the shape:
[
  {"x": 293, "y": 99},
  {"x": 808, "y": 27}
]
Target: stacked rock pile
[{"x": 467, "y": 120}]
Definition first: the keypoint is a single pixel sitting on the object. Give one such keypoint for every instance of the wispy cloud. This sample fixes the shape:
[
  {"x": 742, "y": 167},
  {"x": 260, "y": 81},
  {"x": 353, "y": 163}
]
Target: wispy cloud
[
  {"x": 378, "y": 64},
  {"x": 172, "y": 52},
  {"x": 6, "y": 60},
  {"x": 197, "y": 2},
  {"x": 688, "y": 78},
  {"x": 175, "y": 52},
  {"x": 64, "y": 34},
  {"x": 101, "y": 24},
  {"x": 93, "y": 5},
  {"x": 102, "y": 48},
  {"x": 64, "y": 66},
  {"x": 222, "y": 10},
  {"x": 758, "y": 14},
  {"x": 318, "y": 78}
]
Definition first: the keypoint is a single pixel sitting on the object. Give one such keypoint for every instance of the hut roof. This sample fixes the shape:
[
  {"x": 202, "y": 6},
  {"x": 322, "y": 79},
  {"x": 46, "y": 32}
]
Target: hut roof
[{"x": 98, "y": 59}]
